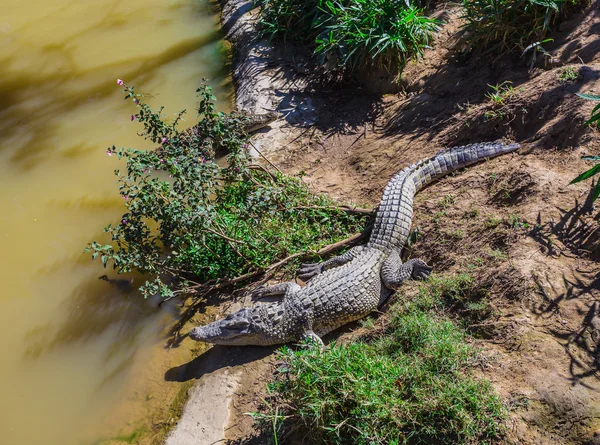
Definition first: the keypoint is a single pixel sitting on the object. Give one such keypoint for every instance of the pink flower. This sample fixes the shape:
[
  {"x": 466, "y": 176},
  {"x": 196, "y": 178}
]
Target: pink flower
[
  {"x": 164, "y": 140},
  {"x": 136, "y": 101},
  {"x": 124, "y": 221},
  {"x": 125, "y": 197},
  {"x": 120, "y": 82},
  {"x": 108, "y": 152},
  {"x": 132, "y": 117},
  {"x": 162, "y": 161}
]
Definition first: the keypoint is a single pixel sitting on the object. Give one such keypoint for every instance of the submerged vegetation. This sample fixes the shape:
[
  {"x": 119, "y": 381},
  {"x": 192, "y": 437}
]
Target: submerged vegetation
[
  {"x": 410, "y": 384},
  {"x": 191, "y": 222}
]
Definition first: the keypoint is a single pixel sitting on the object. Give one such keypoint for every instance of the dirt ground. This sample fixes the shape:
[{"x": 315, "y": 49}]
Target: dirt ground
[{"x": 534, "y": 239}]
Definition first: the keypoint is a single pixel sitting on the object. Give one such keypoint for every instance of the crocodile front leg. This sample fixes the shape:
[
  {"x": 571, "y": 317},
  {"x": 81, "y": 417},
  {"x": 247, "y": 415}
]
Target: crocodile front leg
[
  {"x": 393, "y": 272},
  {"x": 309, "y": 270},
  {"x": 286, "y": 289}
]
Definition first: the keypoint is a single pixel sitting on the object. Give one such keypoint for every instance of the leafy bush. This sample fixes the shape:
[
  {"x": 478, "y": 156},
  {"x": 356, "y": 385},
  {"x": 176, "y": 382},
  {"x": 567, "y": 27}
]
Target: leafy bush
[
  {"x": 188, "y": 217},
  {"x": 594, "y": 119},
  {"x": 352, "y": 34},
  {"x": 511, "y": 25}
]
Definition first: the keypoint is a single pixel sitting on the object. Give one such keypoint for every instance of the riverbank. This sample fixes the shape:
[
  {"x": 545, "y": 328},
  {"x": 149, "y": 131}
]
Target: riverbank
[
  {"x": 538, "y": 332},
  {"x": 227, "y": 379}
]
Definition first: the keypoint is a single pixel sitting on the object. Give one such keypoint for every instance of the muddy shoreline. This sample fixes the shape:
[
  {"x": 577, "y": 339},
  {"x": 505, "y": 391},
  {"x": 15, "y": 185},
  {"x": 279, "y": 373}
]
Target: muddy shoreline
[
  {"x": 263, "y": 81},
  {"x": 539, "y": 344}
]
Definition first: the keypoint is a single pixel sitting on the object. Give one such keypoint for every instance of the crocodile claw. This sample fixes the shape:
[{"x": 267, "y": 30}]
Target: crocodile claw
[
  {"x": 309, "y": 270},
  {"x": 421, "y": 270}
]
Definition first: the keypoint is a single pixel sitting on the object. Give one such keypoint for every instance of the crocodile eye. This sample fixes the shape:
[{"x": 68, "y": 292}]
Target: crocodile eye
[{"x": 240, "y": 323}]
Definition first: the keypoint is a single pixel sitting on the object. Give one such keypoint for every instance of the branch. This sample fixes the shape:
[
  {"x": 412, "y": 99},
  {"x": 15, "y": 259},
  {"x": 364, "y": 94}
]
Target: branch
[
  {"x": 346, "y": 209},
  {"x": 214, "y": 232},
  {"x": 264, "y": 157},
  {"x": 207, "y": 288}
]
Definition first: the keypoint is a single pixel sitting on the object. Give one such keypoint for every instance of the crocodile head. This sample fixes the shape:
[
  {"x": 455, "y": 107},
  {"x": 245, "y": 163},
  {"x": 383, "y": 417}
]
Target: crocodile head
[
  {"x": 259, "y": 121},
  {"x": 236, "y": 329}
]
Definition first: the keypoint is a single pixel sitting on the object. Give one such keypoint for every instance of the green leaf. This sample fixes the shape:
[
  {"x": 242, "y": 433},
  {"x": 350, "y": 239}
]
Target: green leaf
[
  {"x": 586, "y": 174},
  {"x": 594, "y": 118},
  {"x": 596, "y": 191},
  {"x": 587, "y": 96}
]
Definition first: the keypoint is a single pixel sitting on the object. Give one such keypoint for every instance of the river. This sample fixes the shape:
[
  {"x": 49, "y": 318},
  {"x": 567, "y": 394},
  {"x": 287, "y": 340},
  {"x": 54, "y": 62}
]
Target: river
[{"x": 80, "y": 358}]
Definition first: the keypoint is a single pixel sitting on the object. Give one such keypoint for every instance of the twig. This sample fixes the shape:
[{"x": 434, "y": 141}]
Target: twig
[
  {"x": 260, "y": 167},
  {"x": 265, "y": 158},
  {"x": 223, "y": 236},
  {"x": 353, "y": 239},
  {"x": 340, "y": 208}
]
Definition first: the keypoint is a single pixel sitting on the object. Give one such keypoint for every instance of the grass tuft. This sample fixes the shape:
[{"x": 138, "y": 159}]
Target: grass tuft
[
  {"x": 409, "y": 386},
  {"x": 499, "y": 26},
  {"x": 348, "y": 35}
]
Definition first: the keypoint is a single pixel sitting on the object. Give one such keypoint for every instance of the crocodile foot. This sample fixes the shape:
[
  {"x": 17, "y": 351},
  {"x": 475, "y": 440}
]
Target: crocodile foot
[
  {"x": 420, "y": 270},
  {"x": 313, "y": 340},
  {"x": 309, "y": 270}
]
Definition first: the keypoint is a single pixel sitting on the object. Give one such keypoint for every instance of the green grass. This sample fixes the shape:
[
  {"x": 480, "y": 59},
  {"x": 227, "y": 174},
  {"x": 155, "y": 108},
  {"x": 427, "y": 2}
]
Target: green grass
[
  {"x": 517, "y": 222},
  {"x": 499, "y": 26},
  {"x": 269, "y": 224},
  {"x": 568, "y": 74},
  {"x": 492, "y": 222},
  {"x": 501, "y": 93},
  {"x": 351, "y": 34},
  {"x": 409, "y": 385}
]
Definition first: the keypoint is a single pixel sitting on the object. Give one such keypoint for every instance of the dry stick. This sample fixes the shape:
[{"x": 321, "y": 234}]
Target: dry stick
[
  {"x": 214, "y": 232},
  {"x": 264, "y": 157},
  {"x": 260, "y": 167},
  {"x": 347, "y": 209}
]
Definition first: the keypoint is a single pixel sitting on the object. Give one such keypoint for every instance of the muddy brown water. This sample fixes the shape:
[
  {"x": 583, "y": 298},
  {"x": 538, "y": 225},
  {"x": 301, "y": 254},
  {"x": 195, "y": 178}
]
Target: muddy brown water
[{"x": 74, "y": 349}]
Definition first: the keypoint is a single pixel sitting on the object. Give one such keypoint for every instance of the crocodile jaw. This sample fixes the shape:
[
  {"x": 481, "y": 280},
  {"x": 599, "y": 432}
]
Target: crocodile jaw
[{"x": 235, "y": 329}]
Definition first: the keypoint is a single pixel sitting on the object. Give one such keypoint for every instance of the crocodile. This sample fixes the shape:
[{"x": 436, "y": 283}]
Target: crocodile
[
  {"x": 350, "y": 286},
  {"x": 254, "y": 122}
]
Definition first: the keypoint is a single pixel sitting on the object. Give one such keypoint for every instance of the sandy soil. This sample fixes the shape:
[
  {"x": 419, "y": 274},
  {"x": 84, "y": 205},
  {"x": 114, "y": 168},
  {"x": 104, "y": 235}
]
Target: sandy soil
[{"x": 537, "y": 236}]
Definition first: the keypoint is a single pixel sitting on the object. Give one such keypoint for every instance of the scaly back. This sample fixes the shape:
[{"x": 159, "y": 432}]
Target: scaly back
[{"x": 394, "y": 216}]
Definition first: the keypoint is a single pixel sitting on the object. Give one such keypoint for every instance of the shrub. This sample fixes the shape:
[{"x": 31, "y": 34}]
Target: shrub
[
  {"x": 498, "y": 26},
  {"x": 190, "y": 218},
  {"x": 351, "y": 34}
]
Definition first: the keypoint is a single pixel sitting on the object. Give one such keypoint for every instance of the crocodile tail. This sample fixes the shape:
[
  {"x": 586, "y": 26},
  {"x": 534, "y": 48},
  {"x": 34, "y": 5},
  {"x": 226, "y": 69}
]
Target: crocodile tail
[
  {"x": 394, "y": 216},
  {"x": 446, "y": 161}
]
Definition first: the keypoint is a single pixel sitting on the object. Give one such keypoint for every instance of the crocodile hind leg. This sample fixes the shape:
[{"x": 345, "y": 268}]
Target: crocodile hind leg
[
  {"x": 393, "y": 272},
  {"x": 309, "y": 270},
  {"x": 313, "y": 339},
  {"x": 286, "y": 289}
]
